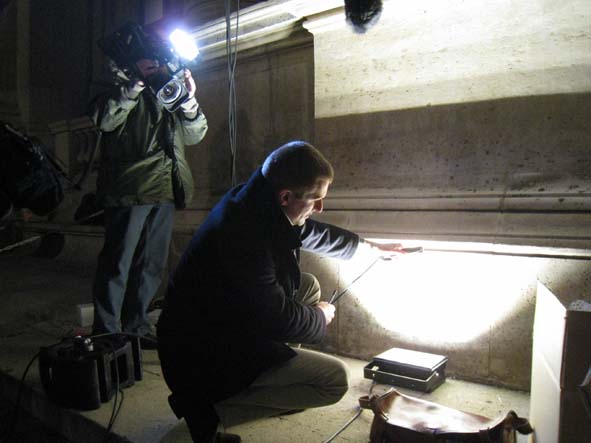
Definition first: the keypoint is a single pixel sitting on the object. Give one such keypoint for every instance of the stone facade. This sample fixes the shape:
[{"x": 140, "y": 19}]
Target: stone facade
[{"x": 461, "y": 128}]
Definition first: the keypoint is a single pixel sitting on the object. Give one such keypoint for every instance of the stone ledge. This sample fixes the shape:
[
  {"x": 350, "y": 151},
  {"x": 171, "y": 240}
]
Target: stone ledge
[
  {"x": 566, "y": 233},
  {"x": 258, "y": 25}
]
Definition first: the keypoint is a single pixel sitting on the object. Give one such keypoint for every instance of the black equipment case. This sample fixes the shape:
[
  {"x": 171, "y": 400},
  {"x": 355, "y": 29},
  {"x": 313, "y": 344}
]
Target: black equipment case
[
  {"x": 420, "y": 371},
  {"x": 82, "y": 373}
]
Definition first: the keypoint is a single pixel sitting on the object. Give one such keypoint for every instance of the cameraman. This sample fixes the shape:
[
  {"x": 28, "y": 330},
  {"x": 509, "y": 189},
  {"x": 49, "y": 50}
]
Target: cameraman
[{"x": 143, "y": 175}]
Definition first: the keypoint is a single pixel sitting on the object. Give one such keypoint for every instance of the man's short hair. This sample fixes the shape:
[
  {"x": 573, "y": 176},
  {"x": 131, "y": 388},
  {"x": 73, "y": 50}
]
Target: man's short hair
[{"x": 296, "y": 166}]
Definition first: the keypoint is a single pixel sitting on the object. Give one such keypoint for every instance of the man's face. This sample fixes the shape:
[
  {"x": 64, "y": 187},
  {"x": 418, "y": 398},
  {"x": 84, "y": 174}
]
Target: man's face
[
  {"x": 298, "y": 209},
  {"x": 148, "y": 67}
]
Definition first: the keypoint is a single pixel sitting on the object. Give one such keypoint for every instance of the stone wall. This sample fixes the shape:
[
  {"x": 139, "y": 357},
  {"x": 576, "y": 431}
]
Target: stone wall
[
  {"x": 464, "y": 129},
  {"x": 445, "y": 107},
  {"x": 461, "y": 128}
]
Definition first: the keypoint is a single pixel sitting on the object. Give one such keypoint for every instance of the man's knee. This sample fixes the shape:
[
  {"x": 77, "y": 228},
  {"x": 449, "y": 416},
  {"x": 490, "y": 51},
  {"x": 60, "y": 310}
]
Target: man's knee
[
  {"x": 309, "y": 291},
  {"x": 337, "y": 383},
  {"x": 342, "y": 381}
]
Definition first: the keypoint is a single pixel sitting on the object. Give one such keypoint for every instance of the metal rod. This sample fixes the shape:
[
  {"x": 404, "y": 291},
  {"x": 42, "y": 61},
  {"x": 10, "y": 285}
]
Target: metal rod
[{"x": 20, "y": 243}]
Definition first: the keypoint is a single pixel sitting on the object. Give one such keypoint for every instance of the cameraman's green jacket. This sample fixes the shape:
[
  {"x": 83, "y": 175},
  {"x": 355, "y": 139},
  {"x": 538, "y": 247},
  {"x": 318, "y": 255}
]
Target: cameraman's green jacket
[{"x": 135, "y": 167}]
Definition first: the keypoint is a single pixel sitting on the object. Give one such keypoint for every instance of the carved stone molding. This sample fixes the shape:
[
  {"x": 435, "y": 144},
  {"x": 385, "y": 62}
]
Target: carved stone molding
[{"x": 258, "y": 25}]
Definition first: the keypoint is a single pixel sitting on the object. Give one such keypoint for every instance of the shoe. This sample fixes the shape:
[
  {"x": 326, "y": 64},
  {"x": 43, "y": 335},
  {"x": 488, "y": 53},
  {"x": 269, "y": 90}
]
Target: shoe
[
  {"x": 290, "y": 412},
  {"x": 222, "y": 437},
  {"x": 156, "y": 304},
  {"x": 201, "y": 419},
  {"x": 149, "y": 342}
]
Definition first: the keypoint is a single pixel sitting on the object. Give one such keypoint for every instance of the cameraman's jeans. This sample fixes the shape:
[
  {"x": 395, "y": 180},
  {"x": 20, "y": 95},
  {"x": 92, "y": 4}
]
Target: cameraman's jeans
[
  {"x": 309, "y": 380},
  {"x": 130, "y": 266}
]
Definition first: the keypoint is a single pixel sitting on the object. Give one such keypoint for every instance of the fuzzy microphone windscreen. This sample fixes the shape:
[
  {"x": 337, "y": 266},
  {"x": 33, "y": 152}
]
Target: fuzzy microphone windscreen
[{"x": 362, "y": 14}]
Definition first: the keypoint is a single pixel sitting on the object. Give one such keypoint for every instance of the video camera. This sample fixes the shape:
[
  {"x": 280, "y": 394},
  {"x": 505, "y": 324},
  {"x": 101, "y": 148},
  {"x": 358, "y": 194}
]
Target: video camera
[{"x": 132, "y": 43}]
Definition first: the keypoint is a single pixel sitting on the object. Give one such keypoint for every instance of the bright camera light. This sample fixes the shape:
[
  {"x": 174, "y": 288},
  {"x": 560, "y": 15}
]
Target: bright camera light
[{"x": 183, "y": 44}]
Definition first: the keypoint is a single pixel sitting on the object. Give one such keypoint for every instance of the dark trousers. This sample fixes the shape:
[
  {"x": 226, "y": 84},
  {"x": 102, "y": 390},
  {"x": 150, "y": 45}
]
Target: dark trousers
[{"x": 130, "y": 266}]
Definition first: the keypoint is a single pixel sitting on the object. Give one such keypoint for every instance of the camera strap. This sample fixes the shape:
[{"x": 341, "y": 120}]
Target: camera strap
[{"x": 178, "y": 189}]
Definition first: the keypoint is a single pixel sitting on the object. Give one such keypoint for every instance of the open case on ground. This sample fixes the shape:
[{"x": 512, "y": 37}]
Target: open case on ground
[{"x": 420, "y": 371}]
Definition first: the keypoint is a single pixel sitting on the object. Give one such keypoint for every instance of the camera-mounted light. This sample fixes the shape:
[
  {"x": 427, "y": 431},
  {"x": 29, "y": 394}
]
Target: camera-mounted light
[
  {"x": 132, "y": 43},
  {"x": 183, "y": 44}
]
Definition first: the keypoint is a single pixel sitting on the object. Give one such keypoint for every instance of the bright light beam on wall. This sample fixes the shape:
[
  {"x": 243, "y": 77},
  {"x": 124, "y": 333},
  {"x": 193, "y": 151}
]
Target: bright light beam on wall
[{"x": 440, "y": 297}]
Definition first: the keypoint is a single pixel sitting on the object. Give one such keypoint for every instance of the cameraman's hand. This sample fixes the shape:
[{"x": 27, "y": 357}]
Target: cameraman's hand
[
  {"x": 190, "y": 105},
  {"x": 133, "y": 89},
  {"x": 328, "y": 311},
  {"x": 190, "y": 84}
]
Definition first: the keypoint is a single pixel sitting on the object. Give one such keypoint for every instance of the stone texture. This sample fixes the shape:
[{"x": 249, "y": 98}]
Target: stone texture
[
  {"x": 432, "y": 53},
  {"x": 445, "y": 122},
  {"x": 477, "y": 309},
  {"x": 274, "y": 105},
  {"x": 521, "y": 146}
]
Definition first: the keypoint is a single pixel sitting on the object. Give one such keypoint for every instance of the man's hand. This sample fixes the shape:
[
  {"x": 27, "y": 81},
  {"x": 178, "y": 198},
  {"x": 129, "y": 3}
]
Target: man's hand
[
  {"x": 328, "y": 311},
  {"x": 385, "y": 249},
  {"x": 133, "y": 89},
  {"x": 190, "y": 84},
  {"x": 190, "y": 105}
]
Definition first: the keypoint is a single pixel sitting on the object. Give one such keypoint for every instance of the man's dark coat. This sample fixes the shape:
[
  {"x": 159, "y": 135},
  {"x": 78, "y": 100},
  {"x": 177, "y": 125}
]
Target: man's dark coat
[{"x": 229, "y": 308}]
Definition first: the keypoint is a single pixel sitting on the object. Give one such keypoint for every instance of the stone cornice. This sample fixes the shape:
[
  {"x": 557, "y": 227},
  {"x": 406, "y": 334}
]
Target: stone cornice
[
  {"x": 324, "y": 21},
  {"x": 259, "y": 25}
]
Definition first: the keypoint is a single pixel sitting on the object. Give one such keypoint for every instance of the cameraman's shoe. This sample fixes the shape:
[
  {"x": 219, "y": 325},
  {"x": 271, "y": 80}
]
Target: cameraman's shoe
[
  {"x": 149, "y": 341},
  {"x": 156, "y": 304}
]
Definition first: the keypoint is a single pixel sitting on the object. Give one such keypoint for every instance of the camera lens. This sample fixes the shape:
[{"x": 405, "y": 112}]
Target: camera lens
[
  {"x": 169, "y": 92},
  {"x": 172, "y": 94}
]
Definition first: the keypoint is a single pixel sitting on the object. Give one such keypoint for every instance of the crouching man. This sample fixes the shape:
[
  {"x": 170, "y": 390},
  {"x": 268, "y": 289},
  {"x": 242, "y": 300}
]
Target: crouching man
[{"x": 237, "y": 296}]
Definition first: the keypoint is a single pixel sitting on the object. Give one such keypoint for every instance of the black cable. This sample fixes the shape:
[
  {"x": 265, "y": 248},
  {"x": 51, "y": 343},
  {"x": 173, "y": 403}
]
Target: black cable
[
  {"x": 7, "y": 433},
  {"x": 232, "y": 56},
  {"x": 352, "y": 419},
  {"x": 113, "y": 411},
  {"x": 335, "y": 297},
  {"x": 20, "y": 243},
  {"x": 10, "y": 428},
  {"x": 116, "y": 408},
  {"x": 122, "y": 393}
]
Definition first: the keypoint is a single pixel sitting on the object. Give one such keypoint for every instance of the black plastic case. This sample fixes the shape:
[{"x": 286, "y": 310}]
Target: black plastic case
[
  {"x": 420, "y": 371},
  {"x": 83, "y": 378}
]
